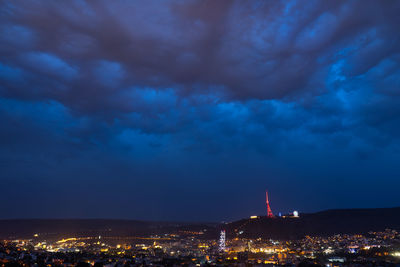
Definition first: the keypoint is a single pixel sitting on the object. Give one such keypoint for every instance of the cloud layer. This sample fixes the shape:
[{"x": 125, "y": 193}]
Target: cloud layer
[{"x": 116, "y": 102}]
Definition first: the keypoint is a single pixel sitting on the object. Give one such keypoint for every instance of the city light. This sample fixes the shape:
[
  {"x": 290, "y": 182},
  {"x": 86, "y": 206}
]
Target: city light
[
  {"x": 222, "y": 250},
  {"x": 396, "y": 254}
]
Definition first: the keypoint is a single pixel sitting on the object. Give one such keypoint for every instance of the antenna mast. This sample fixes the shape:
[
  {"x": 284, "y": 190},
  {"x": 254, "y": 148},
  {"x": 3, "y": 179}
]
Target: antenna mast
[{"x": 269, "y": 211}]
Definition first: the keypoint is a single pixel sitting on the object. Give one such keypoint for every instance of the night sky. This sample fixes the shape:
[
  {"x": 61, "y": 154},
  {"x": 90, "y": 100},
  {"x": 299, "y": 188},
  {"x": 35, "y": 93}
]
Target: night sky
[{"x": 190, "y": 110}]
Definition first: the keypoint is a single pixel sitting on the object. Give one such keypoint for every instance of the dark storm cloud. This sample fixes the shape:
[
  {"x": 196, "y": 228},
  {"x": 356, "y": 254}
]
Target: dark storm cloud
[{"x": 204, "y": 90}]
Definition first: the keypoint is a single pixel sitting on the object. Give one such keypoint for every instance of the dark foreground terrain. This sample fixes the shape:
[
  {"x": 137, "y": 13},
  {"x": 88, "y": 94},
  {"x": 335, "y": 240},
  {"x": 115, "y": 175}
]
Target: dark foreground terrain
[
  {"x": 324, "y": 223},
  {"x": 349, "y": 221}
]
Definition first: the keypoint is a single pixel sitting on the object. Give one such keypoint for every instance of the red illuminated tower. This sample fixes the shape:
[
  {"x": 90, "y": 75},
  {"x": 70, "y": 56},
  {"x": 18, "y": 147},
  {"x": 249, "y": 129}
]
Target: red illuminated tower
[{"x": 269, "y": 211}]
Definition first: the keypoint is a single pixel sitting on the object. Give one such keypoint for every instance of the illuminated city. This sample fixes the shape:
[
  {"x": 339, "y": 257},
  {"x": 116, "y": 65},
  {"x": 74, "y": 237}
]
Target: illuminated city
[
  {"x": 190, "y": 249},
  {"x": 199, "y": 245}
]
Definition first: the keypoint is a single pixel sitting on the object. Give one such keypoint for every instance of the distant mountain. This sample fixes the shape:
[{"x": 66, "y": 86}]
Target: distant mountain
[
  {"x": 324, "y": 223},
  {"x": 56, "y": 228}
]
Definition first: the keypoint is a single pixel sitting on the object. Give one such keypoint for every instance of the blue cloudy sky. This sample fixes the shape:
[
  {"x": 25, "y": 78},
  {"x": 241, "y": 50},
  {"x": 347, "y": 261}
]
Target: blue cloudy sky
[{"x": 190, "y": 110}]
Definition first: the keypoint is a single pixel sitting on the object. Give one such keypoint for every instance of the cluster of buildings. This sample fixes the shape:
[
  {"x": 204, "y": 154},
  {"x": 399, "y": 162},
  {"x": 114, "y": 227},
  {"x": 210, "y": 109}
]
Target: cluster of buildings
[
  {"x": 374, "y": 249},
  {"x": 379, "y": 248}
]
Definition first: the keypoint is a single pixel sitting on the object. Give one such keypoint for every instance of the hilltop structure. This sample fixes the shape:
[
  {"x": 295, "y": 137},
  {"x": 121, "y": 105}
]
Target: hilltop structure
[{"x": 269, "y": 211}]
